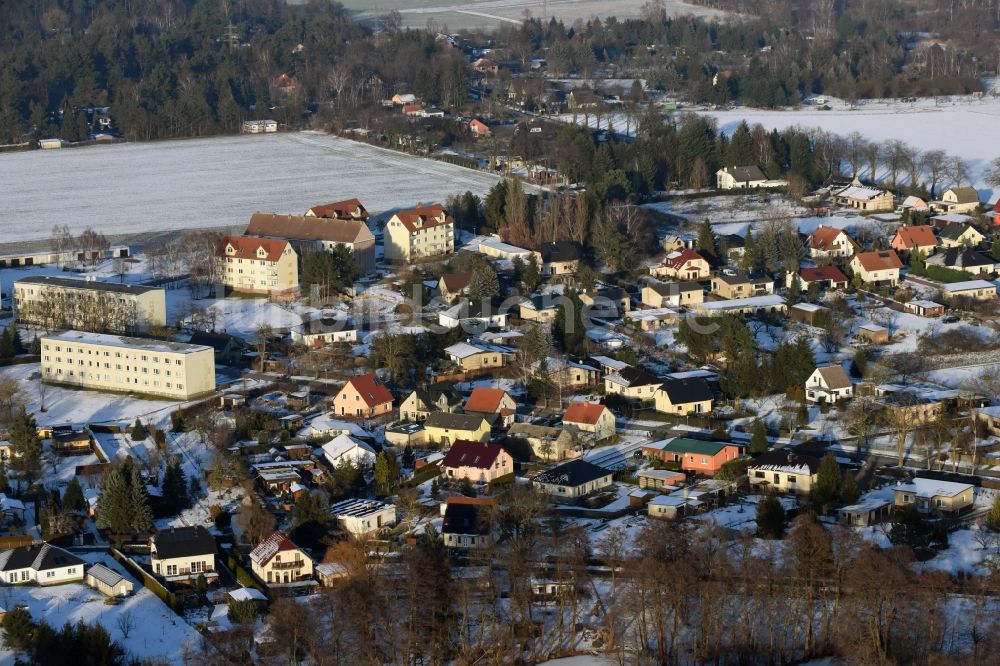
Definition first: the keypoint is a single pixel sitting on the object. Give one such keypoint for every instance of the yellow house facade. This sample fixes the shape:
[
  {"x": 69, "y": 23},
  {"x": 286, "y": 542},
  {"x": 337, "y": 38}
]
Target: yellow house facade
[
  {"x": 444, "y": 428},
  {"x": 255, "y": 265}
]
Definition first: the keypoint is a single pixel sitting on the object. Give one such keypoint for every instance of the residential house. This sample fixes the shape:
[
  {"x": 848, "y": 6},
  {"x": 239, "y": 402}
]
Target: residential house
[
  {"x": 948, "y": 497},
  {"x": 546, "y": 442},
  {"x": 866, "y": 199},
  {"x": 419, "y": 233},
  {"x": 467, "y": 522},
  {"x": 694, "y": 455},
  {"x": 942, "y": 220},
  {"x": 653, "y": 319},
  {"x": 421, "y": 402},
  {"x": 914, "y": 203},
  {"x": 574, "y": 479},
  {"x": 739, "y": 178},
  {"x": 229, "y": 349},
  {"x": 489, "y": 401},
  {"x": 878, "y": 267},
  {"x": 485, "y": 66},
  {"x": 957, "y": 234},
  {"x": 683, "y": 265},
  {"x": 610, "y": 303},
  {"x": 975, "y": 289},
  {"x": 257, "y": 265},
  {"x": 476, "y": 356},
  {"x": 958, "y": 200},
  {"x": 742, "y": 285},
  {"x": 633, "y": 383},
  {"x": 592, "y": 418},
  {"x": 346, "y": 449},
  {"x": 361, "y": 517},
  {"x": 924, "y": 308},
  {"x": 474, "y": 316},
  {"x": 278, "y": 562},
  {"x": 108, "y": 581},
  {"x": 479, "y": 129},
  {"x": 826, "y": 277},
  {"x": 733, "y": 246},
  {"x": 399, "y": 99},
  {"x": 830, "y": 384},
  {"x": 568, "y": 374},
  {"x": 829, "y": 242},
  {"x": 560, "y": 258},
  {"x": 479, "y": 462},
  {"x": 118, "y": 364},
  {"x": 539, "y": 308},
  {"x": 444, "y": 428},
  {"x": 867, "y": 512},
  {"x": 40, "y": 564},
  {"x": 70, "y": 440},
  {"x": 580, "y": 99},
  {"x": 495, "y": 248},
  {"x": 414, "y": 110},
  {"x": 59, "y": 302},
  {"x": 784, "y": 471},
  {"x": 659, "y": 295},
  {"x": 916, "y": 239},
  {"x": 964, "y": 259},
  {"x": 769, "y": 303},
  {"x": 348, "y": 209},
  {"x": 181, "y": 554},
  {"x": 364, "y": 396},
  {"x": 315, "y": 233},
  {"x": 317, "y": 333},
  {"x": 684, "y": 396},
  {"x": 453, "y": 285}
]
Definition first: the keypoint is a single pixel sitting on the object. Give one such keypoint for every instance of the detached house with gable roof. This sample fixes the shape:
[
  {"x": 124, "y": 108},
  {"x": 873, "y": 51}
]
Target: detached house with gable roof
[
  {"x": 276, "y": 561},
  {"x": 573, "y": 479},
  {"x": 739, "y": 178},
  {"x": 590, "y": 417},
  {"x": 183, "y": 553},
  {"x": 419, "y": 233},
  {"x": 479, "y": 462},
  {"x": 826, "y": 277},
  {"x": 489, "y": 401},
  {"x": 348, "y": 209},
  {"x": 39, "y": 563},
  {"x": 828, "y": 242},
  {"x": 959, "y": 234},
  {"x": 683, "y": 265},
  {"x": 444, "y": 428},
  {"x": 918, "y": 238},
  {"x": 694, "y": 455},
  {"x": 363, "y": 396},
  {"x": 829, "y": 383},
  {"x": 964, "y": 259},
  {"x": 256, "y": 265},
  {"x": 634, "y": 383},
  {"x": 878, "y": 267},
  {"x": 957, "y": 200},
  {"x": 453, "y": 285},
  {"x": 867, "y": 199},
  {"x": 421, "y": 402},
  {"x": 684, "y": 396},
  {"x": 784, "y": 471}
]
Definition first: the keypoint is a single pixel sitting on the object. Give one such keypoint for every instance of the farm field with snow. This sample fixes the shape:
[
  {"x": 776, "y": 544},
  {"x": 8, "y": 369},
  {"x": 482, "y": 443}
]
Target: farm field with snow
[{"x": 203, "y": 183}]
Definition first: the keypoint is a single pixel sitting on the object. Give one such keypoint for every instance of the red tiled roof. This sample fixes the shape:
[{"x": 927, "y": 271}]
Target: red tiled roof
[
  {"x": 271, "y": 546},
  {"x": 478, "y": 127},
  {"x": 466, "y": 453},
  {"x": 484, "y": 400},
  {"x": 583, "y": 412},
  {"x": 246, "y": 247},
  {"x": 918, "y": 236},
  {"x": 823, "y": 273},
  {"x": 823, "y": 237},
  {"x": 677, "y": 260},
  {"x": 426, "y": 216},
  {"x": 371, "y": 389},
  {"x": 344, "y": 210},
  {"x": 456, "y": 282},
  {"x": 879, "y": 260}
]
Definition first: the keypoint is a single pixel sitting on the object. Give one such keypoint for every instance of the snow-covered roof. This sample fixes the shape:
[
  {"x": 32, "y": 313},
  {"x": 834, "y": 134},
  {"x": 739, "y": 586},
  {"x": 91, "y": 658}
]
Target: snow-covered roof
[
  {"x": 924, "y": 304},
  {"x": 753, "y": 301},
  {"x": 342, "y": 445},
  {"x": 247, "y": 594},
  {"x": 669, "y": 500},
  {"x": 968, "y": 285},
  {"x": 499, "y": 246},
  {"x": 124, "y": 342},
  {"x": 609, "y": 362},
  {"x": 930, "y": 488}
]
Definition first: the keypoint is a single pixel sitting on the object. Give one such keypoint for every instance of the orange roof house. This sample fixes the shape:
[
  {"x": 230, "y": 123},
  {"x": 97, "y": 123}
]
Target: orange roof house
[
  {"x": 413, "y": 109},
  {"x": 590, "y": 417},
  {"x": 420, "y": 232},
  {"x": 485, "y": 400},
  {"x": 683, "y": 265},
  {"x": 251, "y": 247},
  {"x": 348, "y": 209},
  {"x": 479, "y": 128},
  {"x": 363, "y": 396},
  {"x": 879, "y": 267},
  {"x": 830, "y": 242},
  {"x": 919, "y": 238}
]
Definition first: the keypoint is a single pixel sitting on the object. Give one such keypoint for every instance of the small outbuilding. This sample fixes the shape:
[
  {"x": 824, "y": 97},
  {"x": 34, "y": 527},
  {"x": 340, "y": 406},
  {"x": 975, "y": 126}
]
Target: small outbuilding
[{"x": 108, "y": 581}]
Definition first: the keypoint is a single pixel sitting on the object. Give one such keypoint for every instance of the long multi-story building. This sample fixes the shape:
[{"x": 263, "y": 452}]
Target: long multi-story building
[
  {"x": 319, "y": 233},
  {"x": 418, "y": 233},
  {"x": 128, "y": 365},
  {"x": 87, "y": 305},
  {"x": 256, "y": 265}
]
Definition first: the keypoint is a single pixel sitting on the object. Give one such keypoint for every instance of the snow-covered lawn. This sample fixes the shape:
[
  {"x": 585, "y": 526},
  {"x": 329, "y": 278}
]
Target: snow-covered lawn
[
  {"x": 156, "y": 633},
  {"x": 212, "y": 182}
]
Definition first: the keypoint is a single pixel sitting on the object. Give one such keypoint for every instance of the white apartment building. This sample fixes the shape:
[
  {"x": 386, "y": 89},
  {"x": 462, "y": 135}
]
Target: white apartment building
[
  {"x": 257, "y": 265},
  {"x": 128, "y": 365},
  {"x": 88, "y": 305},
  {"x": 425, "y": 231}
]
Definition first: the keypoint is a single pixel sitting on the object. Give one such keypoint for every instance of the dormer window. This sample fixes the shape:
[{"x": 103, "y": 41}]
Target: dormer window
[
  {"x": 230, "y": 249},
  {"x": 261, "y": 252}
]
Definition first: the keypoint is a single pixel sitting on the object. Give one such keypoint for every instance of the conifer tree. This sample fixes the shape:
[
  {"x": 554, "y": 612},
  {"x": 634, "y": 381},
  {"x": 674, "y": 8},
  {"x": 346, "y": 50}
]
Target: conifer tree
[
  {"x": 758, "y": 440},
  {"x": 175, "y": 488},
  {"x": 73, "y": 499},
  {"x": 138, "y": 431},
  {"x": 141, "y": 516},
  {"x": 113, "y": 503},
  {"x": 25, "y": 445}
]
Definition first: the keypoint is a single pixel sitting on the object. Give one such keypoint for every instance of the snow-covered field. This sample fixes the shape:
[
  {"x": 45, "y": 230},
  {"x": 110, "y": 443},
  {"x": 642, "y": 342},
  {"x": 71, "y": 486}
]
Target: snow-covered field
[{"x": 198, "y": 183}]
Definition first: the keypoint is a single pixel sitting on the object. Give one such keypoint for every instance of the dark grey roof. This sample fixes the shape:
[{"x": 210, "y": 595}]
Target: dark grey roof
[
  {"x": 673, "y": 288},
  {"x": 71, "y": 283},
  {"x": 453, "y": 421},
  {"x": 953, "y": 231},
  {"x": 959, "y": 257},
  {"x": 777, "y": 460},
  {"x": 109, "y": 577},
  {"x": 561, "y": 251},
  {"x": 183, "y": 542},
  {"x": 220, "y": 342},
  {"x": 966, "y": 194},
  {"x": 743, "y": 278},
  {"x": 573, "y": 473},
  {"x": 745, "y": 173},
  {"x": 463, "y": 519},
  {"x": 38, "y": 556},
  {"x": 683, "y": 391},
  {"x": 639, "y": 377}
]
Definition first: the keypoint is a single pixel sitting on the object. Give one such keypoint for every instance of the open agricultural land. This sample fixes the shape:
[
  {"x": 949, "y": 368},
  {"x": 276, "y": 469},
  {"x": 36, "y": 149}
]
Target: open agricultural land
[
  {"x": 211, "y": 183},
  {"x": 487, "y": 14}
]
